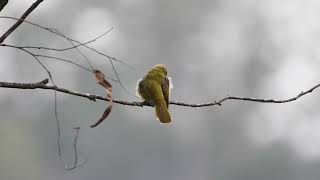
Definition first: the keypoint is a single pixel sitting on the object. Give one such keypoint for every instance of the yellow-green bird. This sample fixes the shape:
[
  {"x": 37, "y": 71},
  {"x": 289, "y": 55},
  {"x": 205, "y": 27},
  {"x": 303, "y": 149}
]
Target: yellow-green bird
[{"x": 155, "y": 88}]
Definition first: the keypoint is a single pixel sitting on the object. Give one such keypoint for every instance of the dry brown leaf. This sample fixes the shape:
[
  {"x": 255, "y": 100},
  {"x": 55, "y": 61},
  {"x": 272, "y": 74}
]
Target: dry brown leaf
[
  {"x": 103, "y": 117},
  {"x": 108, "y": 87},
  {"x": 101, "y": 80}
]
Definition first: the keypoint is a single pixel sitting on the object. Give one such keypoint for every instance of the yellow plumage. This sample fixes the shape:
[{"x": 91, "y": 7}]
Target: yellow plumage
[{"x": 154, "y": 87}]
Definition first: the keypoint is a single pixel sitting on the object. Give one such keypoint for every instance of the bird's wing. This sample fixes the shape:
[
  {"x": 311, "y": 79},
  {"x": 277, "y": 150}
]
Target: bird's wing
[{"x": 165, "y": 90}]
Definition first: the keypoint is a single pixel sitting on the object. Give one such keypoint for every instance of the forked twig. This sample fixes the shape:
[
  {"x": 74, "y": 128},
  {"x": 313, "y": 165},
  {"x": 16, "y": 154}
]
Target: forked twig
[
  {"x": 17, "y": 24},
  {"x": 75, "y": 140}
]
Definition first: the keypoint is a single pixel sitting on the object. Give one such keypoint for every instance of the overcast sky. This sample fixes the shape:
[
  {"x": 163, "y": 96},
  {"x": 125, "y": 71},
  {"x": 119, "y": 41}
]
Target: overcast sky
[{"x": 212, "y": 48}]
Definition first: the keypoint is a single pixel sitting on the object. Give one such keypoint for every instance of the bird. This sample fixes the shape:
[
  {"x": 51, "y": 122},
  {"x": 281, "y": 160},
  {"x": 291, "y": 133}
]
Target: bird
[{"x": 155, "y": 88}]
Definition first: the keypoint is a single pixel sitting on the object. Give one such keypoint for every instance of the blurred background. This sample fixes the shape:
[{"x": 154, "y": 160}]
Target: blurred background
[{"x": 212, "y": 48}]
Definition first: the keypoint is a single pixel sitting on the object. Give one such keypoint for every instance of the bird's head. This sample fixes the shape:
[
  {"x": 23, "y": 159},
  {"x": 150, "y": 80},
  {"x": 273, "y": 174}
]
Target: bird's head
[{"x": 161, "y": 67}]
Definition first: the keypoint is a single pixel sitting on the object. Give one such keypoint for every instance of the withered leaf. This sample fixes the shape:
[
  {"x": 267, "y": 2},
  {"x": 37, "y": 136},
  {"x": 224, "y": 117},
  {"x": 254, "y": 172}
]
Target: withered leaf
[
  {"x": 103, "y": 117},
  {"x": 101, "y": 80},
  {"x": 108, "y": 87}
]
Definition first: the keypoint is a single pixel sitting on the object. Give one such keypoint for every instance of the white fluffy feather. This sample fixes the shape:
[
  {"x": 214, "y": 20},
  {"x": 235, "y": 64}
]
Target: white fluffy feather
[
  {"x": 170, "y": 84},
  {"x": 137, "y": 89}
]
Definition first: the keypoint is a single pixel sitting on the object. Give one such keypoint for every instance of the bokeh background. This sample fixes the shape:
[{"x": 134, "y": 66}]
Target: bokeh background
[{"x": 213, "y": 48}]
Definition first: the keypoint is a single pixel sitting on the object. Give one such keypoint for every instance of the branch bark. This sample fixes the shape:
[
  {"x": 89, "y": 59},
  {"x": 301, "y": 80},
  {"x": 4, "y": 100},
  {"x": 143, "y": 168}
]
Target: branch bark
[
  {"x": 17, "y": 24},
  {"x": 44, "y": 85},
  {"x": 3, "y": 3}
]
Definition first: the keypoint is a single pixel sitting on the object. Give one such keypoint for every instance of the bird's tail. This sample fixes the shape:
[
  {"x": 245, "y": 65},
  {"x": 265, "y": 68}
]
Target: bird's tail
[{"x": 162, "y": 111}]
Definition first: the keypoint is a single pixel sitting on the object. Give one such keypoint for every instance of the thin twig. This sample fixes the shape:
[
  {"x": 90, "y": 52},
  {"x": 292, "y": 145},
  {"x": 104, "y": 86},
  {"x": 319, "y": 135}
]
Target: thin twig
[
  {"x": 45, "y": 56},
  {"x": 62, "y": 59},
  {"x": 6, "y": 34},
  {"x": 56, "y": 115},
  {"x": 75, "y": 140},
  {"x": 17, "y": 24},
  {"x": 111, "y": 59},
  {"x": 52, "y": 57},
  {"x": 63, "y": 49},
  {"x": 55, "y": 100},
  {"x": 118, "y": 78},
  {"x": 41, "y": 64},
  {"x": 59, "y": 33},
  {"x": 93, "y": 97},
  {"x": 78, "y": 50}
]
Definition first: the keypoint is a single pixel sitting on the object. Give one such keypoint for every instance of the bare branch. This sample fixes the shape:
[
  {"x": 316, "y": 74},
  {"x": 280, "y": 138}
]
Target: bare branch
[
  {"x": 78, "y": 50},
  {"x": 3, "y": 3},
  {"x": 93, "y": 97},
  {"x": 72, "y": 41},
  {"x": 59, "y": 33},
  {"x": 56, "y": 115},
  {"x": 75, "y": 140},
  {"x": 52, "y": 57},
  {"x": 45, "y": 56},
  {"x": 5, "y": 35},
  {"x": 17, "y": 24},
  {"x": 39, "y": 62},
  {"x": 61, "y": 49}
]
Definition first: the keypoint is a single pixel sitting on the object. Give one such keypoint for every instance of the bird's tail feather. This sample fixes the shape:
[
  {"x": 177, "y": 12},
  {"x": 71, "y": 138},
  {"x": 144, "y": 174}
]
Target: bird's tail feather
[{"x": 162, "y": 111}]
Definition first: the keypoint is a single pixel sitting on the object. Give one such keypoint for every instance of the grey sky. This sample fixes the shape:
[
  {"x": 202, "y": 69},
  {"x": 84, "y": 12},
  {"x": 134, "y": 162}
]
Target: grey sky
[{"x": 212, "y": 48}]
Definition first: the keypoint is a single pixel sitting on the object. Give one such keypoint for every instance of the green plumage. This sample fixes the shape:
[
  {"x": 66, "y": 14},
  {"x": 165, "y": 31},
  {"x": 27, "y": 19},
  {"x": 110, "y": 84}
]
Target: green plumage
[{"x": 154, "y": 87}]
